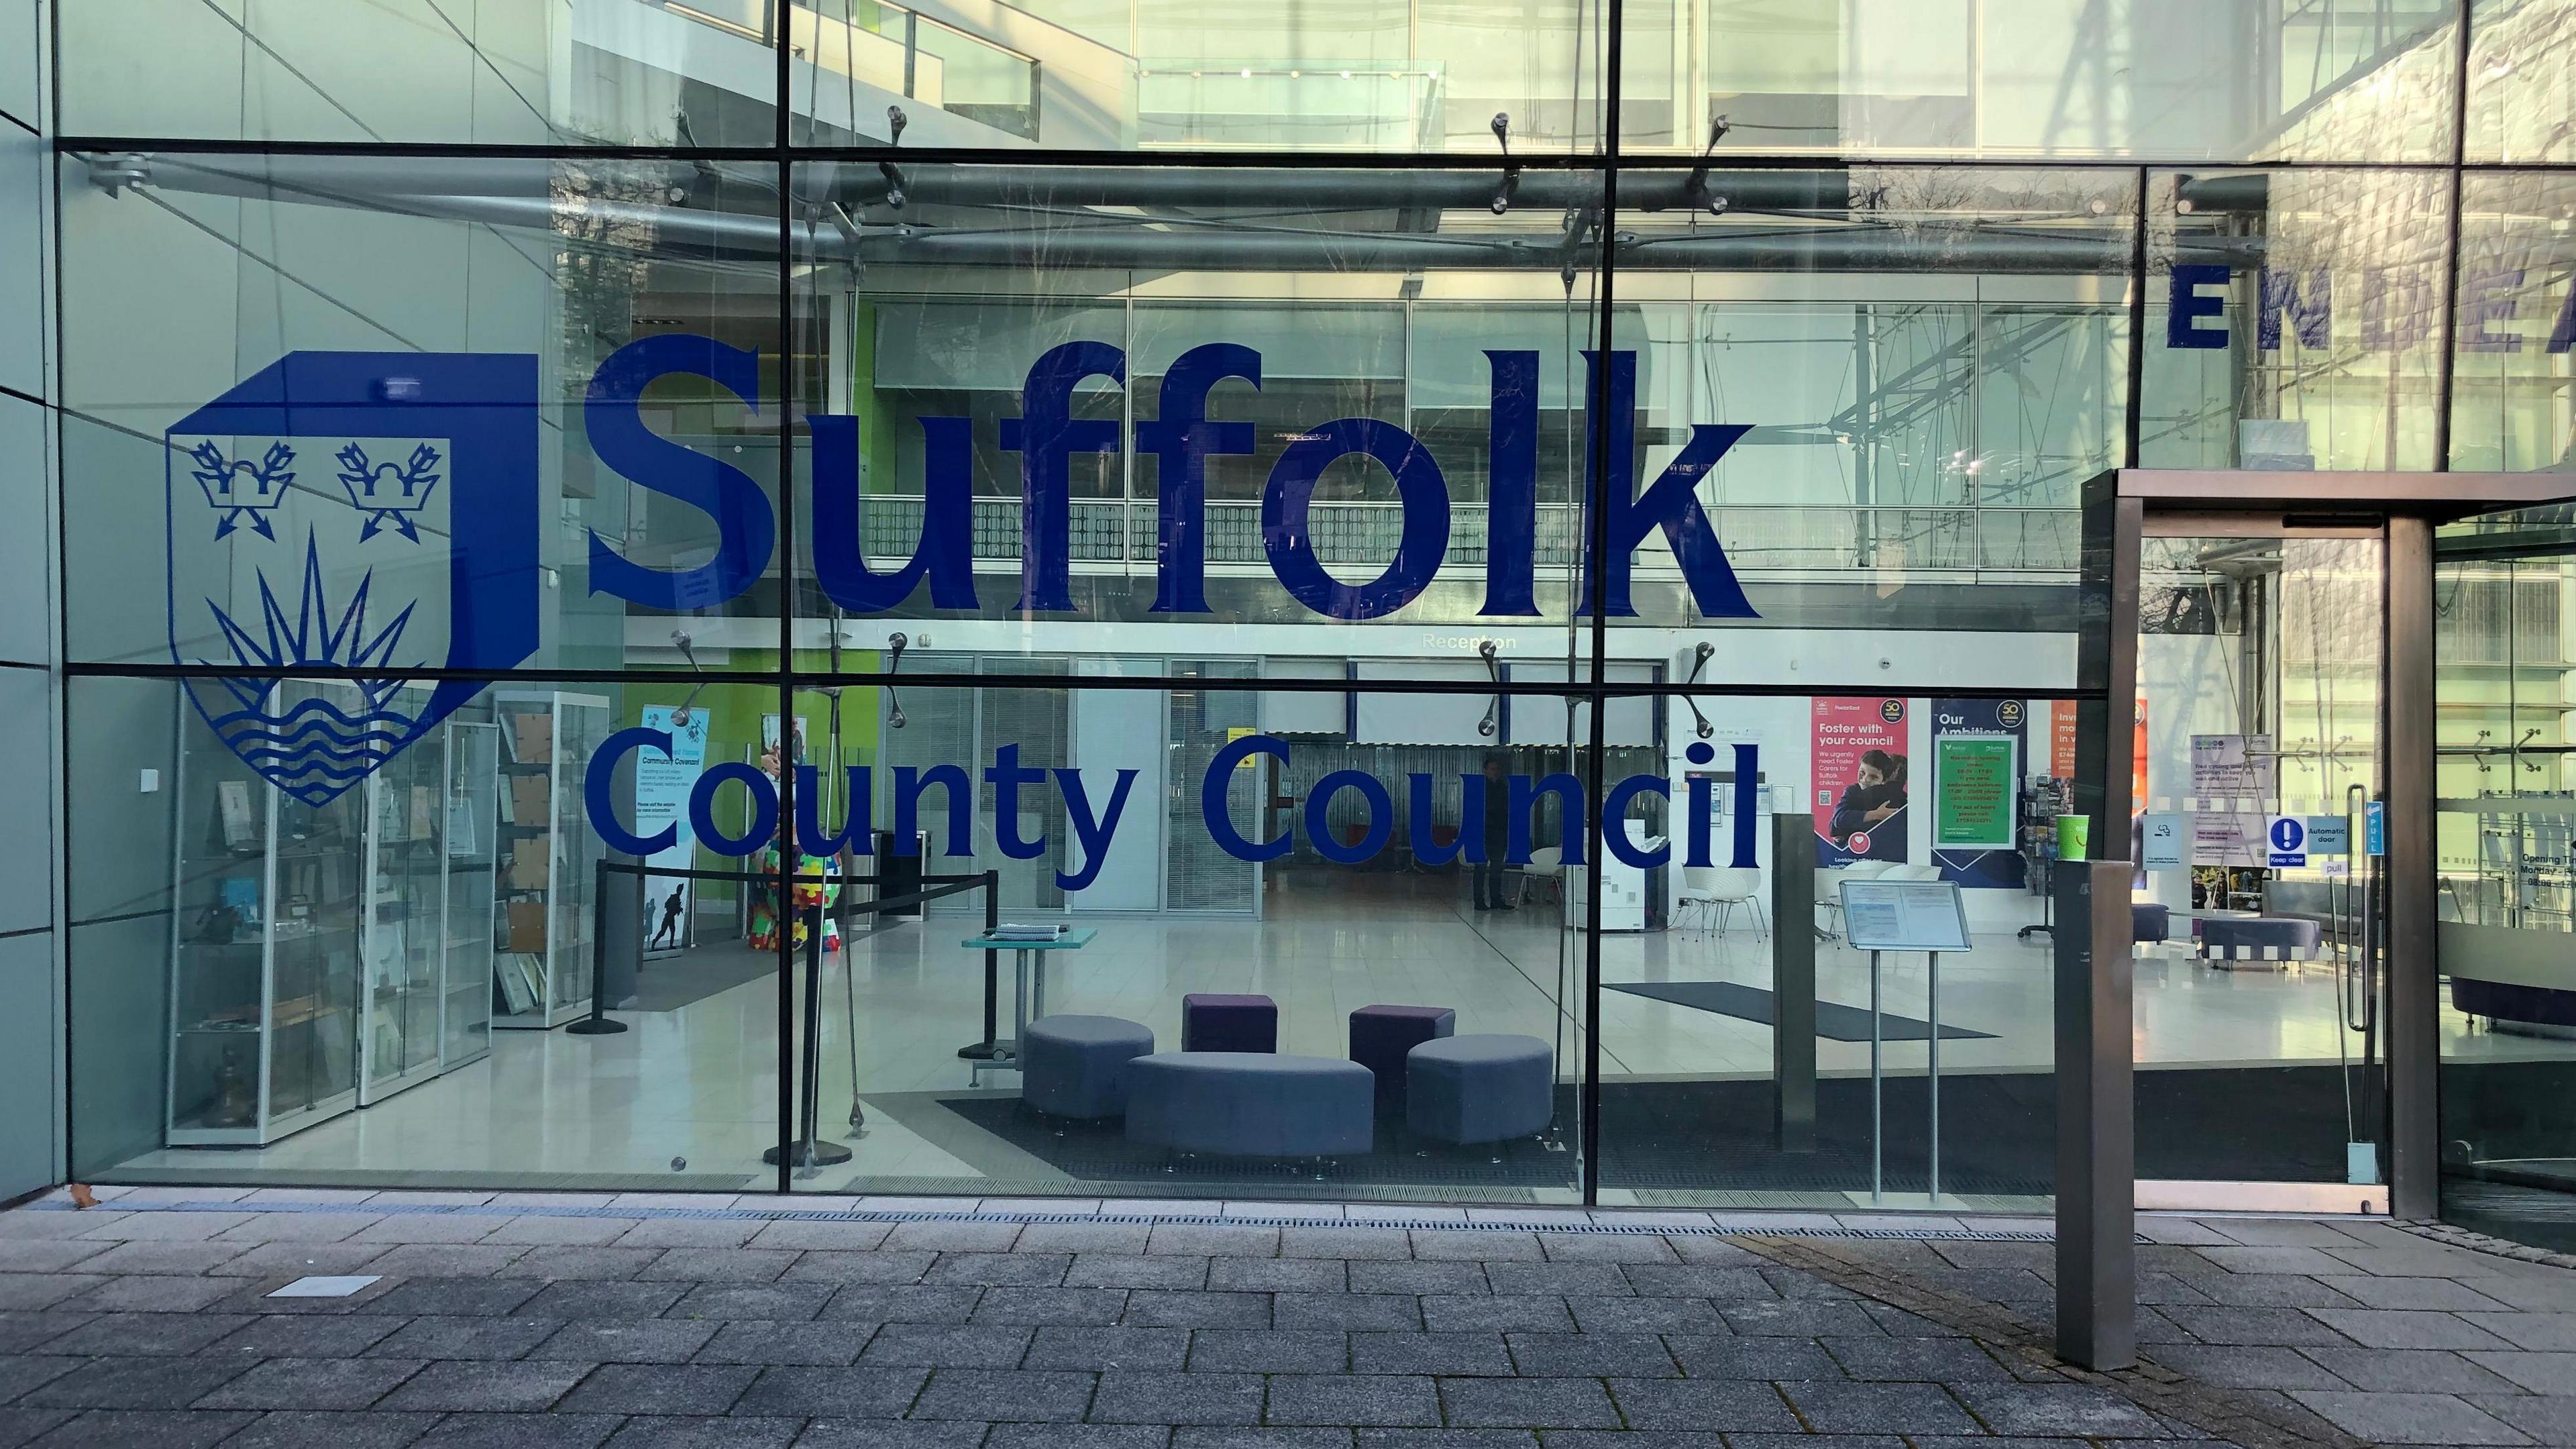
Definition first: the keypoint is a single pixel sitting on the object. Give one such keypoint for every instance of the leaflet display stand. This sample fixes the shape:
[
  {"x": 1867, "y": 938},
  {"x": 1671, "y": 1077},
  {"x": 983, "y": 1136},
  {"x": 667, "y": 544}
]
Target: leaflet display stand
[
  {"x": 2043, "y": 800},
  {"x": 1881, "y": 916}
]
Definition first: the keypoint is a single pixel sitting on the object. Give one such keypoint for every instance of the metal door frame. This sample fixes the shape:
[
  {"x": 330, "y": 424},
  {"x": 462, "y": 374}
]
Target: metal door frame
[
  {"x": 2097, "y": 1172},
  {"x": 2117, "y": 508}
]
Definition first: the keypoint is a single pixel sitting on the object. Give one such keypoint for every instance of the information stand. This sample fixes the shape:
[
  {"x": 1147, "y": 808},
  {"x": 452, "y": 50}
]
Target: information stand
[{"x": 1905, "y": 915}]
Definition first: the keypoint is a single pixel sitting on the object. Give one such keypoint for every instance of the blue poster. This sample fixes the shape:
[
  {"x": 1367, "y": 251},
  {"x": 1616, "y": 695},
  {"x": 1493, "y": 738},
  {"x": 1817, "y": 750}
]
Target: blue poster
[
  {"x": 662, "y": 786},
  {"x": 1993, "y": 718}
]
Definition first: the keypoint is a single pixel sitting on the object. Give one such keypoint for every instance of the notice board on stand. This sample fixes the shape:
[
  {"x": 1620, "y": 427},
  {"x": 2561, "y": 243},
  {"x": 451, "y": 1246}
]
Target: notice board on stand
[{"x": 1904, "y": 915}]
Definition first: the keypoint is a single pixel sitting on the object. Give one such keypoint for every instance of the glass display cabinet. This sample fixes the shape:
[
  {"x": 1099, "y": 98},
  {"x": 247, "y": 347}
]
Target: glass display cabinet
[
  {"x": 403, "y": 937},
  {"x": 330, "y": 955},
  {"x": 271, "y": 894},
  {"x": 548, "y": 861},
  {"x": 472, "y": 830}
]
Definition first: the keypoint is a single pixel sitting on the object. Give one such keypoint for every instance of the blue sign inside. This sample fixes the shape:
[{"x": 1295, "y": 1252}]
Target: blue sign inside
[{"x": 2288, "y": 838}]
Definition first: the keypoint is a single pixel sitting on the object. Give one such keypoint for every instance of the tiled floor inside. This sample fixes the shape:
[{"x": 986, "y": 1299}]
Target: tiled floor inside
[
  {"x": 152, "y": 1319},
  {"x": 695, "y": 1090}
]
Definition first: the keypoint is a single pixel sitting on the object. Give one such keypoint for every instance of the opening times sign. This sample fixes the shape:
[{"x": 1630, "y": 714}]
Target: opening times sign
[
  {"x": 1976, "y": 790},
  {"x": 1974, "y": 798}
]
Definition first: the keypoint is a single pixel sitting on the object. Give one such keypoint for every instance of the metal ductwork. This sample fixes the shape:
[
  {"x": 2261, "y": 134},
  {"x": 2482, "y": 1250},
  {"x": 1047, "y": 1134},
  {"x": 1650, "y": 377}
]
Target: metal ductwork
[{"x": 525, "y": 195}]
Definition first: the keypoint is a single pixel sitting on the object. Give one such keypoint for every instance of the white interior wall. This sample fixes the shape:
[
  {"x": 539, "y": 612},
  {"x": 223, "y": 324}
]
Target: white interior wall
[{"x": 1115, "y": 729}]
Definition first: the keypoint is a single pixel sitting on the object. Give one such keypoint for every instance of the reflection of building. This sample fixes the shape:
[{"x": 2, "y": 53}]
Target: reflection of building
[{"x": 1159, "y": 323}]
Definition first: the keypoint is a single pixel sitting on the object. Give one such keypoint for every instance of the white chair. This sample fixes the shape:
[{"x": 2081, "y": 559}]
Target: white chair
[
  {"x": 1546, "y": 863},
  {"x": 1911, "y": 872},
  {"x": 1829, "y": 895},
  {"x": 1716, "y": 892}
]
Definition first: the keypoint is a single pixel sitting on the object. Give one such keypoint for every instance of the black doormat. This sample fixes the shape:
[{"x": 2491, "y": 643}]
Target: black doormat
[
  {"x": 1998, "y": 1137},
  {"x": 1834, "y": 1021},
  {"x": 1013, "y": 1135},
  {"x": 667, "y": 983},
  {"x": 1998, "y": 1131}
]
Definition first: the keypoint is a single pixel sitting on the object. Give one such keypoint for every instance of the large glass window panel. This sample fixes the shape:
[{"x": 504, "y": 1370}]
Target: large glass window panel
[
  {"x": 2294, "y": 319},
  {"x": 2506, "y": 779},
  {"x": 2512, "y": 318},
  {"x": 2521, "y": 86},
  {"x": 1184, "y": 401},
  {"x": 1305, "y": 846},
  {"x": 338, "y": 953},
  {"x": 2348, "y": 80},
  {"x": 1864, "y": 398},
  {"x": 1124, "y": 75},
  {"x": 524, "y": 412},
  {"x": 1704, "y": 1102},
  {"x": 601, "y": 73}
]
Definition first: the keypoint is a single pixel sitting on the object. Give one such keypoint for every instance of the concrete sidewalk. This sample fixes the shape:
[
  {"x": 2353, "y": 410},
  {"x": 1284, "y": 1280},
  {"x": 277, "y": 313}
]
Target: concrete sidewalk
[{"x": 563, "y": 1319}]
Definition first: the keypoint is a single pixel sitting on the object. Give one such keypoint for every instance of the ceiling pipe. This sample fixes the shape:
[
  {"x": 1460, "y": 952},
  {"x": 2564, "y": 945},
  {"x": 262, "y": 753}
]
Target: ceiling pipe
[{"x": 1772, "y": 245}]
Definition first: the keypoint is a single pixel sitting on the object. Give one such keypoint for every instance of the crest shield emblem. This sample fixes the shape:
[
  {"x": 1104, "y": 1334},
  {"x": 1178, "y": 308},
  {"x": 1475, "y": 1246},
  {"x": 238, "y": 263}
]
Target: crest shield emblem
[{"x": 337, "y": 518}]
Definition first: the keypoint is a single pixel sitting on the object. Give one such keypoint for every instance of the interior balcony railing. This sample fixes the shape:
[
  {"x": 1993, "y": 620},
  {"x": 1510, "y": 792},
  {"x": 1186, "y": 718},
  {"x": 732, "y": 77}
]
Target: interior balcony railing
[
  {"x": 2041, "y": 542},
  {"x": 1347, "y": 105},
  {"x": 891, "y": 48}
]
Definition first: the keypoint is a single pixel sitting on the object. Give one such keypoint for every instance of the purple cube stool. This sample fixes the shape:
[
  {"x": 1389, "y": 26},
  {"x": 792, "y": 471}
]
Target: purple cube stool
[
  {"x": 1381, "y": 1035},
  {"x": 1213, "y": 1022}
]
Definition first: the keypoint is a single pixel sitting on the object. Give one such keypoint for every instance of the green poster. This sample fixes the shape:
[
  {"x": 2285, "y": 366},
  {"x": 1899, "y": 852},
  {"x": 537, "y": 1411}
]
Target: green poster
[{"x": 1972, "y": 793}]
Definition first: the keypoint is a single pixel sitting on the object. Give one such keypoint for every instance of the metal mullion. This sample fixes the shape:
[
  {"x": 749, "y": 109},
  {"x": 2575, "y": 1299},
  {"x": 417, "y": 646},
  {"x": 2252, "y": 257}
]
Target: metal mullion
[
  {"x": 782, "y": 160},
  {"x": 2133, "y": 412},
  {"x": 807, "y": 679},
  {"x": 1596, "y": 590},
  {"x": 2447, "y": 361}
]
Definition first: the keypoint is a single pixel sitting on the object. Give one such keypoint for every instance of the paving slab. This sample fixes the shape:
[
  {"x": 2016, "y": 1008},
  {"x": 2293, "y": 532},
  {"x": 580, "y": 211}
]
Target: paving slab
[{"x": 661, "y": 1324}]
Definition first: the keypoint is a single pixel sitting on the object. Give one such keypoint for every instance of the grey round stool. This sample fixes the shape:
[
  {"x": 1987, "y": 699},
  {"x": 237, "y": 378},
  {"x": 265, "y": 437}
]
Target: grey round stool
[
  {"x": 1076, "y": 1066},
  {"x": 1470, "y": 1089}
]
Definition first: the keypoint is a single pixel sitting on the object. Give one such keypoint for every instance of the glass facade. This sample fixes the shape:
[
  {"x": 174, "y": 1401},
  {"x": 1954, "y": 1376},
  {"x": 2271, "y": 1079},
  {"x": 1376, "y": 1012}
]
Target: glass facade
[
  {"x": 2507, "y": 780},
  {"x": 1363, "y": 505}
]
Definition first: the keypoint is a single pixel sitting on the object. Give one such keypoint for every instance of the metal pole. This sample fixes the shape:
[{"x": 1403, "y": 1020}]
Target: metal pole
[
  {"x": 1932, "y": 1080},
  {"x": 1793, "y": 983},
  {"x": 813, "y": 1029},
  {"x": 810, "y": 1151},
  {"x": 989, "y": 1048},
  {"x": 2409, "y": 891},
  {"x": 850, "y": 1000},
  {"x": 597, "y": 1023},
  {"x": 1019, "y": 1000},
  {"x": 2097, "y": 1285},
  {"x": 1877, "y": 1157}
]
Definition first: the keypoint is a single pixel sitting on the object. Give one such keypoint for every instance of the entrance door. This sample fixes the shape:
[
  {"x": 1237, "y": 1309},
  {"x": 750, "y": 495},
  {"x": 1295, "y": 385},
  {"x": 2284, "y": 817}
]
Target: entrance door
[{"x": 2258, "y": 749}]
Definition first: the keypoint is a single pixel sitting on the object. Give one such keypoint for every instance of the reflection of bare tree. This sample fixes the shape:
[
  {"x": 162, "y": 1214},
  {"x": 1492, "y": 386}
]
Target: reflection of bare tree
[
  {"x": 1945, "y": 210},
  {"x": 2522, "y": 68},
  {"x": 604, "y": 257}
]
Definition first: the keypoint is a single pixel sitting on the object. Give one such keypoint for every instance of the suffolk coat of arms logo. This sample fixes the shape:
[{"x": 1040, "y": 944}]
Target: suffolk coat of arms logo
[{"x": 340, "y": 517}]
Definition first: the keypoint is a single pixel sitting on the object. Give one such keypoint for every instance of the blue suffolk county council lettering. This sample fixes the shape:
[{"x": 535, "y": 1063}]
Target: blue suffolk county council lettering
[
  {"x": 1047, "y": 438},
  {"x": 1093, "y": 824},
  {"x": 438, "y": 453}
]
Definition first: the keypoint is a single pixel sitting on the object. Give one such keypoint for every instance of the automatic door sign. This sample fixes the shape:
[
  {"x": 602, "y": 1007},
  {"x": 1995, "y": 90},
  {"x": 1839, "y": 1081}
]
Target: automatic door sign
[
  {"x": 2329, "y": 835},
  {"x": 2287, "y": 836}
]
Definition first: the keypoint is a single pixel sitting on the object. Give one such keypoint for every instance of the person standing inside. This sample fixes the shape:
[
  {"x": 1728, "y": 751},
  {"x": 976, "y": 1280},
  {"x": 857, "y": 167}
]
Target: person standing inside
[{"x": 1498, "y": 835}]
